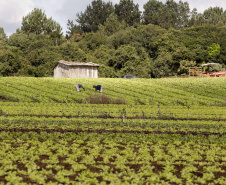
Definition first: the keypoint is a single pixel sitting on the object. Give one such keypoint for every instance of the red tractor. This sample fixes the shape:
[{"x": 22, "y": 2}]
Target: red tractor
[
  {"x": 213, "y": 70},
  {"x": 207, "y": 70}
]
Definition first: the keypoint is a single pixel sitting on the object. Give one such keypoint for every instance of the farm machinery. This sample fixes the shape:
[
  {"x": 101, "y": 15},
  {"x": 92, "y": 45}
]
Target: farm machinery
[{"x": 207, "y": 70}]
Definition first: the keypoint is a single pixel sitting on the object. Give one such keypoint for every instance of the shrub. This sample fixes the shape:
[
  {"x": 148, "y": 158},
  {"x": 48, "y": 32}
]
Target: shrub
[
  {"x": 104, "y": 99},
  {"x": 98, "y": 99}
]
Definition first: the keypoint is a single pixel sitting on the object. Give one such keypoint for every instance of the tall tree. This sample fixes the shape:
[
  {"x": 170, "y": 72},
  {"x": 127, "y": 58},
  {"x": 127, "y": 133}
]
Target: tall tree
[
  {"x": 196, "y": 19},
  {"x": 214, "y": 15},
  {"x": 112, "y": 25},
  {"x": 168, "y": 15},
  {"x": 175, "y": 15},
  {"x": 213, "y": 52},
  {"x": 37, "y": 22},
  {"x": 72, "y": 29},
  {"x": 211, "y": 16},
  {"x": 183, "y": 12},
  {"x": 95, "y": 14},
  {"x": 3, "y": 36},
  {"x": 129, "y": 12},
  {"x": 19, "y": 40},
  {"x": 151, "y": 14}
]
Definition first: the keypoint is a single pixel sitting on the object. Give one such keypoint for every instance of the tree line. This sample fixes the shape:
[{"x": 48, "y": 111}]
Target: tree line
[{"x": 163, "y": 40}]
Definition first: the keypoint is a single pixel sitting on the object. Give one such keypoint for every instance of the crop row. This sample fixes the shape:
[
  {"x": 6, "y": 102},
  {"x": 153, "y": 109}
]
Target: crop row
[
  {"x": 138, "y": 91},
  {"x": 84, "y": 150},
  {"x": 111, "y": 111},
  {"x": 170, "y": 131},
  {"x": 96, "y": 125},
  {"x": 92, "y": 158}
]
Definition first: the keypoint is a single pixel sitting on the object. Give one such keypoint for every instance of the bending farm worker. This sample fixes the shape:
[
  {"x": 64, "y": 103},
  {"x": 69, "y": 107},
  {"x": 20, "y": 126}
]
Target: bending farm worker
[
  {"x": 98, "y": 88},
  {"x": 78, "y": 86}
]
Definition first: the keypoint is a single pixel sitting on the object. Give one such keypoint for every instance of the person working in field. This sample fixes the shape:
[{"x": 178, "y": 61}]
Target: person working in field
[
  {"x": 98, "y": 88},
  {"x": 78, "y": 86}
]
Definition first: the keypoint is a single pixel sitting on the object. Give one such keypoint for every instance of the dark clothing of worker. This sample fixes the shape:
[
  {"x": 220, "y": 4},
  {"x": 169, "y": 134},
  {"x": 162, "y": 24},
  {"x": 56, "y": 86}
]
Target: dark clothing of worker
[
  {"x": 78, "y": 86},
  {"x": 98, "y": 88}
]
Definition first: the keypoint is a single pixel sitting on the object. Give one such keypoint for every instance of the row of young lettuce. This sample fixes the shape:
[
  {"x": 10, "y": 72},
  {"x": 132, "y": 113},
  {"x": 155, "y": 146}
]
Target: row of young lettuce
[
  {"x": 197, "y": 91},
  {"x": 104, "y": 111},
  {"x": 45, "y": 140},
  {"x": 109, "y": 151}
]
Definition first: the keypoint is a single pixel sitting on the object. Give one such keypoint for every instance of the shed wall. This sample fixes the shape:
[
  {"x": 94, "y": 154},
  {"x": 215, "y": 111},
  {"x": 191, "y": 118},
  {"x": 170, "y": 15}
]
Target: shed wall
[
  {"x": 61, "y": 71},
  {"x": 65, "y": 71}
]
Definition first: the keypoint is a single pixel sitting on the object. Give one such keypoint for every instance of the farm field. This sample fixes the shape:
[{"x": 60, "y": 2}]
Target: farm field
[
  {"x": 162, "y": 131},
  {"x": 196, "y": 91}
]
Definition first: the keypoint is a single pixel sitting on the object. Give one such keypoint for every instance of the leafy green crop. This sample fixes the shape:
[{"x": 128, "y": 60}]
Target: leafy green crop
[
  {"x": 185, "y": 92},
  {"x": 47, "y": 137}
]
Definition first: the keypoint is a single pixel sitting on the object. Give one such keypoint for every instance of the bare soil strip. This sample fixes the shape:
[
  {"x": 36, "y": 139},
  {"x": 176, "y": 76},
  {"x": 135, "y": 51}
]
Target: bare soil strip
[
  {"x": 115, "y": 117},
  {"x": 77, "y": 131}
]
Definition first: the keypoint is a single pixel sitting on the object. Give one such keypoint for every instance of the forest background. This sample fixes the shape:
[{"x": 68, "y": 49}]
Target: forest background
[{"x": 163, "y": 40}]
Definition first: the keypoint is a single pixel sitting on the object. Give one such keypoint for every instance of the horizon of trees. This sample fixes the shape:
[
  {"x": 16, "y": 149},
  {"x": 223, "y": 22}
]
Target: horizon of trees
[
  {"x": 166, "y": 15},
  {"x": 165, "y": 39}
]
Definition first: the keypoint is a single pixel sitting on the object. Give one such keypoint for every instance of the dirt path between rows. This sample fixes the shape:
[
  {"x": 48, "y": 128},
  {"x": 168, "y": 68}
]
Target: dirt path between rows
[
  {"x": 77, "y": 131},
  {"x": 125, "y": 118}
]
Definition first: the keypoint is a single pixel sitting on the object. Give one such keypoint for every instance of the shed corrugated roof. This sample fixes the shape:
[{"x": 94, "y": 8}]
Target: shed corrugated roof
[{"x": 78, "y": 63}]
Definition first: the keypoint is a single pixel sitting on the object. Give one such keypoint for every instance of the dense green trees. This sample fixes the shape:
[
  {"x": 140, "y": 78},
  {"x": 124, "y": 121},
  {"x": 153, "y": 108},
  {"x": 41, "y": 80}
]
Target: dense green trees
[
  {"x": 38, "y": 23},
  {"x": 129, "y": 12},
  {"x": 10, "y": 62},
  {"x": 211, "y": 16},
  {"x": 3, "y": 36},
  {"x": 163, "y": 41},
  {"x": 168, "y": 15},
  {"x": 95, "y": 14},
  {"x": 98, "y": 12},
  {"x": 178, "y": 15},
  {"x": 152, "y": 11},
  {"x": 112, "y": 25},
  {"x": 215, "y": 16}
]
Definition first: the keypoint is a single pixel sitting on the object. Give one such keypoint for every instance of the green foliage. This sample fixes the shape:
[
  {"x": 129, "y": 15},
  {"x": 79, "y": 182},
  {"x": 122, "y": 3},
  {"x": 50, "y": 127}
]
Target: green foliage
[
  {"x": 95, "y": 14},
  {"x": 184, "y": 66},
  {"x": 211, "y": 16},
  {"x": 3, "y": 36},
  {"x": 72, "y": 29},
  {"x": 93, "y": 40},
  {"x": 143, "y": 131},
  {"x": 37, "y": 22},
  {"x": 10, "y": 63},
  {"x": 214, "y": 16},
  {"x": 195, "y": 91},
  {"x": 104, "y": 56},
  {"x": 72, "y": 52},
  {"x": 102, "y": 150},
  {"x": 42, "y": 54},
  {"x": 151, "y": 12},
  {"x": 126, "y": 60},
  {"x": 106, "y": 72},
  {"x": 148, "y": 136},
  {"x": 168, "y": 15},
  {"x": 213, "y": 51},
  {"x": 113, "y": 37},
  {"x": 127, "y": 11},
  {"x": 146, "y": 51},
  {"x": 19, "y": 40},
  {"x": 112, "y": 25}
]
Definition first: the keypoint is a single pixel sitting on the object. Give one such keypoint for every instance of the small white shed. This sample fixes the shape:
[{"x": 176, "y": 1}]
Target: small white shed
[{"x": 66, "y": 69}]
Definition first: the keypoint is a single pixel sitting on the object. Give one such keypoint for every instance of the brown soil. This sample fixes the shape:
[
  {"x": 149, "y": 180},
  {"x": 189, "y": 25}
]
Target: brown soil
[
  {"x": 158, "y": 168},
  {"x": 25, "y": 130},
  {"x": 119, "y": 117}
]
